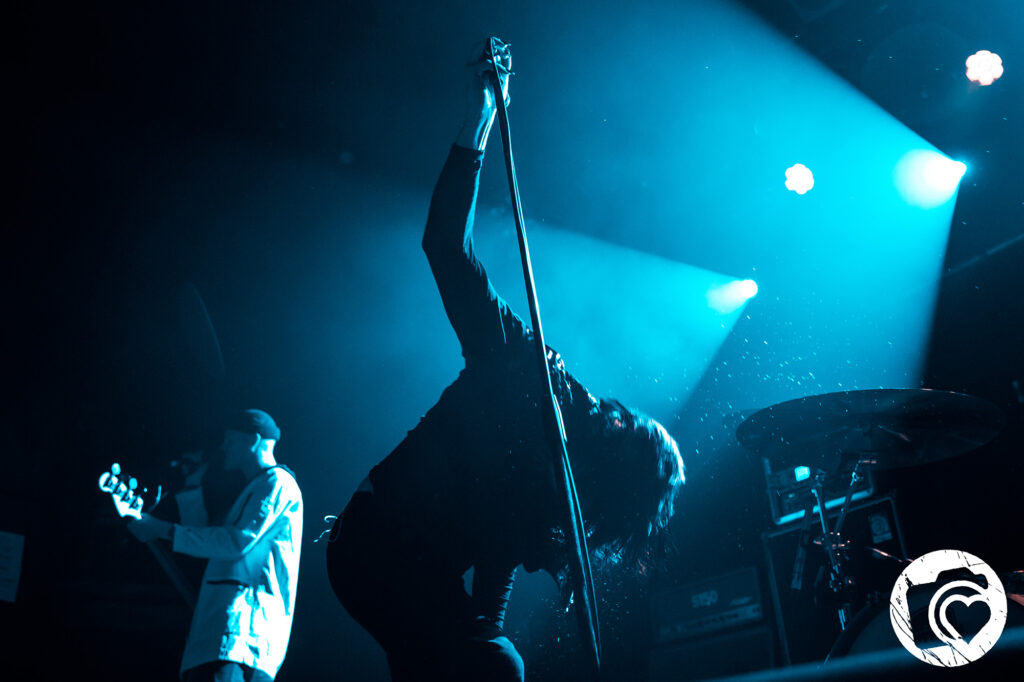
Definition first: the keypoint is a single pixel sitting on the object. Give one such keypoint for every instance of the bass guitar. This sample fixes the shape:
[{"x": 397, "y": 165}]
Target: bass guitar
[{"x": 129, "y": 503}]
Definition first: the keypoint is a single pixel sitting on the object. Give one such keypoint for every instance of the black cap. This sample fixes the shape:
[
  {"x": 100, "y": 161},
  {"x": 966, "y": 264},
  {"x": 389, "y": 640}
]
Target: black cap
[{"x": 254, "y": 421}]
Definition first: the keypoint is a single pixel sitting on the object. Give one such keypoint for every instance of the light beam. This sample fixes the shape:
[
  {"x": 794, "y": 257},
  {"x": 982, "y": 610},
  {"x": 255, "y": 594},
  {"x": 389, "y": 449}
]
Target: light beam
[{"x": 926, "y": 178}]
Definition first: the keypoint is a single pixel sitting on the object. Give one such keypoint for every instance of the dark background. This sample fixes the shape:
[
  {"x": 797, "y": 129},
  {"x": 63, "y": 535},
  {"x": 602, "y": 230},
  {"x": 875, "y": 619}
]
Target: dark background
[{"x": 278, "y": 158}]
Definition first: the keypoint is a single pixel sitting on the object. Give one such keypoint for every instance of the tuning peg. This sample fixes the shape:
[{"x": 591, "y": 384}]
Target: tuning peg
[
  {"x": 133, "y": 483},
  {"x": 115, "y": 469}
]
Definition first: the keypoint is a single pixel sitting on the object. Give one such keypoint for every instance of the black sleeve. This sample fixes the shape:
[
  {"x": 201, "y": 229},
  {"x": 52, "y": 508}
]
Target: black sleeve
[
  {"x": 483, "y": 321},
  {"x": 492, "y": 587}
]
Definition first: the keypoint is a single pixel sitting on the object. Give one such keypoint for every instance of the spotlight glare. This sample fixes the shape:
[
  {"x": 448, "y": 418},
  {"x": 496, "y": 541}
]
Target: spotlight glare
[
  {"x": 799, "y": 178},
  {"x": 984, "y": 67},
  {"x": 727, "y": 298},
  {"x": 927, "y": 178}
]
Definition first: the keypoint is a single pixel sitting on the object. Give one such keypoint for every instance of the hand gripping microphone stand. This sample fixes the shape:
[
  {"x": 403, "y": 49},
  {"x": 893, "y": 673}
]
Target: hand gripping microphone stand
[{"x": 579, "y": 561}]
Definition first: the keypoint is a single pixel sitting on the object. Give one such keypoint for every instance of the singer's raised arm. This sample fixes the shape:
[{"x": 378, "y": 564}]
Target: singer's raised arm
[{"x": 482, "y": 320}]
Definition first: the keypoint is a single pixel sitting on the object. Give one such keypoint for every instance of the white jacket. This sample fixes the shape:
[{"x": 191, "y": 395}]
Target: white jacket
[{"x": 247, "y": 599}]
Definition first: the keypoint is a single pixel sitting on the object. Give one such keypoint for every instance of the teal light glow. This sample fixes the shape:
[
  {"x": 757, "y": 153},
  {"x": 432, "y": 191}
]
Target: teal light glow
[
  {"x": 726, "y": 298},
  {"x": 926, "y": 179},
  {"x": 829, "y": 504},
  {"x": 629, "y": 324},
  {"x": 851, "y": 266},
  {"x": 801, "y": 473}
]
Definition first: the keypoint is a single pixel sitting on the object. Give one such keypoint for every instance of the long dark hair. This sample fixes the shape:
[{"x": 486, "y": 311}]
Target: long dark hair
[{"x": 628, "y": 472}]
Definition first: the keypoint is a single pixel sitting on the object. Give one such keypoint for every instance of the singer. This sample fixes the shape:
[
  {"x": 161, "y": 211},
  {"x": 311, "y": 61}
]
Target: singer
[{"x": 471, "y": 485}]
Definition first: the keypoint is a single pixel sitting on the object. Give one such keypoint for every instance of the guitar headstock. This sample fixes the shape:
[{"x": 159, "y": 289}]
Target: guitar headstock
[{"x": 123, "y": 490}]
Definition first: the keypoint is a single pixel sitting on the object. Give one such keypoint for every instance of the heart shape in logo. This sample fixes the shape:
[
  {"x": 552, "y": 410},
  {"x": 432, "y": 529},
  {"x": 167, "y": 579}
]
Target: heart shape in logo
[
  {"x": 939, "y": 605},
  {"x": 964, "y": 604}
]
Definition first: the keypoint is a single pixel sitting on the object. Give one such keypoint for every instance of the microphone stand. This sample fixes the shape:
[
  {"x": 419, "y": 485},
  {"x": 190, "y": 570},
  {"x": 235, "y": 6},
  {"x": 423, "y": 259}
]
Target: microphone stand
[{"x": 579, "y": 561}]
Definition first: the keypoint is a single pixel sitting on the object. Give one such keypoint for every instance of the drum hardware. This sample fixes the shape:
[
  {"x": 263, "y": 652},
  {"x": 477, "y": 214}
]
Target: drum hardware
[
  {"x": 886, "y": 556},
  {"x": 836, "y": 548},
  {"x": 898, "y": 427},
  {"x": 1013, "y": 583},
  {"x": 869, "y": 616},
  {"x": 805, "y": 619},
  {"x": 872, "y": 430}
]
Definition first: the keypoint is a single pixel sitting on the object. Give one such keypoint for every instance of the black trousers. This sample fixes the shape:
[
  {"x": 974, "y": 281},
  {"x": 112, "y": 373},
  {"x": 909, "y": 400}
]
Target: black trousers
[
  {"x": 224, "y": 671},
  {"x": 420, "y": 616}
]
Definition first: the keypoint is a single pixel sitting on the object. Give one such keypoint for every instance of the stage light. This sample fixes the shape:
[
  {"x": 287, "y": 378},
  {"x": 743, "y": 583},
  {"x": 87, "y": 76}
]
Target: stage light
[
  {"x": 727, "y": 298},
  {"x": 799, "y": 178},
  {"x": 984, "y": 67},
  {"x": 927, "y": 178}
]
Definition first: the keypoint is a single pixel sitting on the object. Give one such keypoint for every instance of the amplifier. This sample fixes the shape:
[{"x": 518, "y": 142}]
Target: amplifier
[
  {"x": 790, "y": 491},
  {"x": 807, "y": 624},
  {"x": 708, "y": 606}
]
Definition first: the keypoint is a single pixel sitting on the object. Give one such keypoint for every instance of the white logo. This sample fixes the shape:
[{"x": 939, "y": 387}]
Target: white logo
[{"x": 948, "y": 608}]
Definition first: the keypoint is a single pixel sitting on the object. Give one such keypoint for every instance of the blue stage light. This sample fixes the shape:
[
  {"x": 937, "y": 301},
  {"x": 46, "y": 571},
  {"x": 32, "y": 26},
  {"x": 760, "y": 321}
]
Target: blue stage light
[
  {"x": 727, "y": 298},
  {"x": 927, "y": 178},
  {"x": 748, "y": 288}
]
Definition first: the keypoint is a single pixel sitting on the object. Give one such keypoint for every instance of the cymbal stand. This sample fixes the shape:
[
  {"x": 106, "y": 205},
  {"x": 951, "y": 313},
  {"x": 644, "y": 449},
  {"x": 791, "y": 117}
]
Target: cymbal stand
[
  {"x": 855, "y": 478},
  {"x": 833, "y": 543}
]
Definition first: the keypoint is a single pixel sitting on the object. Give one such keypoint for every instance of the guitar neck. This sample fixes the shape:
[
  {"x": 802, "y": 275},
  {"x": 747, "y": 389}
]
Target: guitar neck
[
  {"x": 129, "y": 503},
  {"x": 167, "y": 563}
]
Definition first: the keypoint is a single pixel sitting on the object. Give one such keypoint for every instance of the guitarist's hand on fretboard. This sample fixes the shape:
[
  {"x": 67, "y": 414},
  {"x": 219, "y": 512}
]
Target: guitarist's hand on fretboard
[{"x": 128, "y": 500}]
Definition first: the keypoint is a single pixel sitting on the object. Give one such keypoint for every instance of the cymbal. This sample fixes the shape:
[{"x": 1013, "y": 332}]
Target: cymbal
[{"x": 894, "y": 427}]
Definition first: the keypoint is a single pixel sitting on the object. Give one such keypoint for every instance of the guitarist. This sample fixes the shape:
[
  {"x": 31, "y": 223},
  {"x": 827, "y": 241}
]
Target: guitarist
[
  {"x": 243, "y": 616},
  {"x": 471, "y": 485}
]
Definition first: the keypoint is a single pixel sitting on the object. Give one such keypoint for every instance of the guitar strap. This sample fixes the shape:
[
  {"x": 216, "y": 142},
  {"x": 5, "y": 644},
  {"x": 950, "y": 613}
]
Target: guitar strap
[{"x": 255, "y": 478}]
